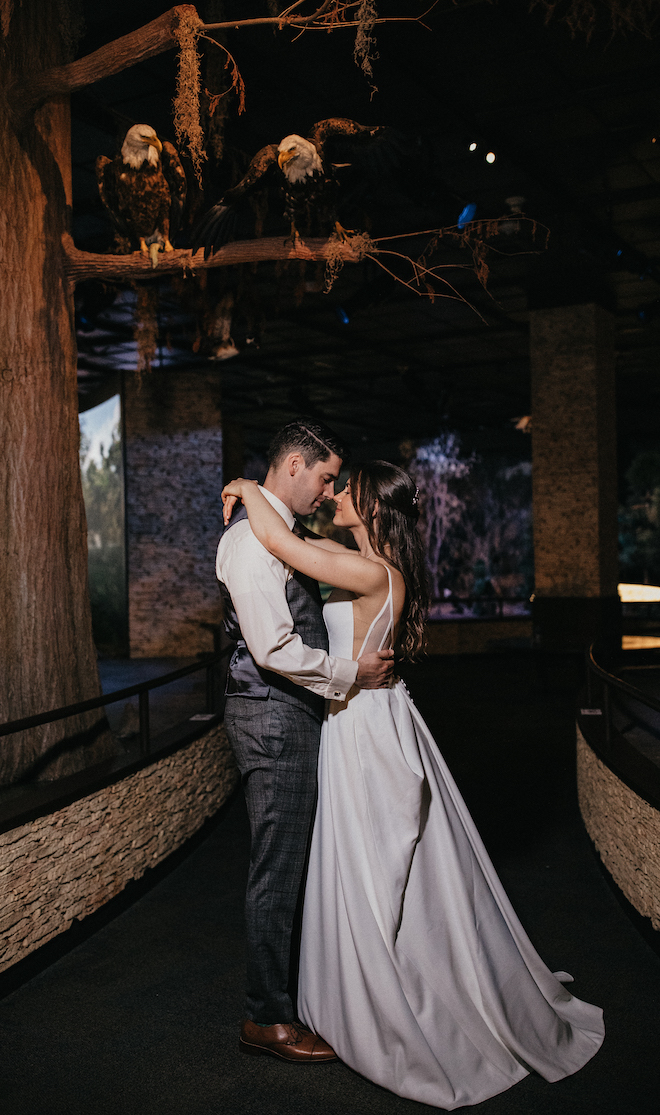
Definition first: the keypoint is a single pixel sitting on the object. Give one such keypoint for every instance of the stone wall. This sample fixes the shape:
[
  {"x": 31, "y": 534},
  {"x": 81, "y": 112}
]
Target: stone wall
[
  {"x": 173, "y": 440},
  {"x": 574, "y": 452},
  {"x": 625, "y": 830},
  {"x": 69, "y": 863},
  {"x": 478, "y": 636},
  {"x": 574, "y": 480}
]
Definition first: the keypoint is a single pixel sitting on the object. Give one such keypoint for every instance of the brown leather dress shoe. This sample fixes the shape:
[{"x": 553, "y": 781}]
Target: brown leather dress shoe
[{"x": 287, "y": 1040}]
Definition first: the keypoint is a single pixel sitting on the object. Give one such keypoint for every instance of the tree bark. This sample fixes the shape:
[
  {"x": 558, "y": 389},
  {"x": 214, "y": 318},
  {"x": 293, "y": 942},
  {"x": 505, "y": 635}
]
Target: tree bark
[
  {"x": 89, "y": 265},
  {"x": 47, "y": 652},
  {"x": 28, "y": 92},
  {"x": 46, "y": 648}
]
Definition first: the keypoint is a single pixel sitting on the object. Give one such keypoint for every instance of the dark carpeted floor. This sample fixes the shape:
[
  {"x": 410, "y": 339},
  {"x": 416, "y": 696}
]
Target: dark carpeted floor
[{"x": 141, "y": 1018}]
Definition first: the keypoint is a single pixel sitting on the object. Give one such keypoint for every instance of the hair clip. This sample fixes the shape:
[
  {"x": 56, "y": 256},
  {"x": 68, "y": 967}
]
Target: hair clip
[{"x": 415, "y": 498}]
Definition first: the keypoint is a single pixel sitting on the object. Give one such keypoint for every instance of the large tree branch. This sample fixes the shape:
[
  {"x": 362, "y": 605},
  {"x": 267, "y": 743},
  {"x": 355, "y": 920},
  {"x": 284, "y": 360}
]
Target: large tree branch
[
  {"x": 152, "y": 39},
  {"x": 88, "y": 265},
  {"x": 155, "y": 38}
]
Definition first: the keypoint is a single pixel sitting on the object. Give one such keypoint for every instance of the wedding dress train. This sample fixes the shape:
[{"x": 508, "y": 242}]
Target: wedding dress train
[{"x": 414, "y": 966}]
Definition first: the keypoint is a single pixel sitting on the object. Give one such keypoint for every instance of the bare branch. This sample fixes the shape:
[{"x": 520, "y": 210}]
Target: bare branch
[
  {"x": 89, "y": 265},
  {"x": 429, "y": 293},
  {"x": 425, "y": 281},
  {"x": 155, "y": 38},
  {"x": 322, "y": 16}
]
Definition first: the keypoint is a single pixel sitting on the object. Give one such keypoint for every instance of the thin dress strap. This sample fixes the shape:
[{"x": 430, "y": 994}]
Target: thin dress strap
[{"x": 381, "y": 629}]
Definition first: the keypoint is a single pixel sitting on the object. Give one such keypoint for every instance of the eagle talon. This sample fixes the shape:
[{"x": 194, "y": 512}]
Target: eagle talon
[
  {"x": 343, "y": 234},
  {"x": 168, "y": 246},
  {"x": 294, "y": 239}
]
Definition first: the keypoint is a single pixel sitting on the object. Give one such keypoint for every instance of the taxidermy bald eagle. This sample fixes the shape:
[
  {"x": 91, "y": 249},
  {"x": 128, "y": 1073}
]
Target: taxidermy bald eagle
[
  {"x": 305, "y": 171},
  {"x": 144, "y": 191}
]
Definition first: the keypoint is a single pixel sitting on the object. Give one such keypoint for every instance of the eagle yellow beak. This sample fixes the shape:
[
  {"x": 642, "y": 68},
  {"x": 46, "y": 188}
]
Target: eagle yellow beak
[
  {"x": 285, "y": 157},
  {"x": 152, "y": 141}
]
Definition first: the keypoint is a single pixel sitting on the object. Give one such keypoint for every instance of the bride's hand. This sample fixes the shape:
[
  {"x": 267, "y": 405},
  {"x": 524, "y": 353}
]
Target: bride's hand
[
  {"x": 235, "y": 487},
  {"x": 231, "y": 493}
]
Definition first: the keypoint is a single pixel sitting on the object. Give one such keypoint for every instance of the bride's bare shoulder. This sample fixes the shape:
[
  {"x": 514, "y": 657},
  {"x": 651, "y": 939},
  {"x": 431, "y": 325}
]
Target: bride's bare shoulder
[{"x": 397, "y": 576}]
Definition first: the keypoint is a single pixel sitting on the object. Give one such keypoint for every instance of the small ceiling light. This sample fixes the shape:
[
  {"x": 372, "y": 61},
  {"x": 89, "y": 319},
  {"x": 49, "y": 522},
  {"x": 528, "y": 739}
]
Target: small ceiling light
[
  {"x": 490, "y": 157},
  {"x": 654, "y": 140},
  {"x": 473, "y": 146}
]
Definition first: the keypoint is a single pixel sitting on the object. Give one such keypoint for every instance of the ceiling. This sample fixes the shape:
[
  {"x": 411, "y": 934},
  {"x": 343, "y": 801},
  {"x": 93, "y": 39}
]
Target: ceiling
[{"x": 573, "y": 125}]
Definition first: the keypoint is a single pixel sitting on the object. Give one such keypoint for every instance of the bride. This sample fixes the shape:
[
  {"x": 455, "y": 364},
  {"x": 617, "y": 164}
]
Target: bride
[{"x": 413, "y": 965}]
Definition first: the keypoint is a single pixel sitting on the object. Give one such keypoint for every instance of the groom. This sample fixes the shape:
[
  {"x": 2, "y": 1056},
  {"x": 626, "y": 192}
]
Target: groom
[{"x": 279, "y": 675}]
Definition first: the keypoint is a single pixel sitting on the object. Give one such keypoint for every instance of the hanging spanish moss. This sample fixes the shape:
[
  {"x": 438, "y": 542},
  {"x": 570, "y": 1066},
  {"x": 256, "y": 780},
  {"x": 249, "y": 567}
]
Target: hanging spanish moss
[
  {"x": 187, "y": 122},
  {"x": 361, "y": 245},
  {"x": 145, "y": 331},
  {"x": 585, "y": 16},
  {"x": 364, "y": 51}
]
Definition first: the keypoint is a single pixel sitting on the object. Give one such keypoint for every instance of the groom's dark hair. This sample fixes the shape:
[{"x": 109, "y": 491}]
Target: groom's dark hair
[{"x": 314, "y": 440}]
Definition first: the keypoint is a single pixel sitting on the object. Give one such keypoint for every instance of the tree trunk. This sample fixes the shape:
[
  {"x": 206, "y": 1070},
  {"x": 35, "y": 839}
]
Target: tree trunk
[{"x": 46, "y": 648}]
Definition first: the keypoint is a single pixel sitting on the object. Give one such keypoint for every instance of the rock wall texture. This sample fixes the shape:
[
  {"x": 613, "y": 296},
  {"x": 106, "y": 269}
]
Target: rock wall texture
[
  {"x": 625, "y": 830},
  {"x": 173, "y": 441},
  {"x": 475, "y": 637},
  {"x": 574, "y": 452},
  {"x": 69, "y": 863}
]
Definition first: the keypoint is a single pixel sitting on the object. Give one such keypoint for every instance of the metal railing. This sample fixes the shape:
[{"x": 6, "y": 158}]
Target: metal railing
[
  {"x": 598, "y": 674},
  {"x": 140, "y": 690}
]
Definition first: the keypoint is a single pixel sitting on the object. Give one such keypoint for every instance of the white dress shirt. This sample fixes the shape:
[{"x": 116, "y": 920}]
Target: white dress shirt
[{"x": 257, "y": 585}]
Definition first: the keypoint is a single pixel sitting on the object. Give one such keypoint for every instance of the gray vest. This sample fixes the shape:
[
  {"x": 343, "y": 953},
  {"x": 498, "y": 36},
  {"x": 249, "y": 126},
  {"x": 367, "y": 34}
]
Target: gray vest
[{"x": 245, "y": 678}]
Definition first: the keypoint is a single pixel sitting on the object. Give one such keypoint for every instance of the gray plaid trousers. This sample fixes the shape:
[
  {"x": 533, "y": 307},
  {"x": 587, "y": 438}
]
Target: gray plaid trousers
[{"x": 276, "y": 746}]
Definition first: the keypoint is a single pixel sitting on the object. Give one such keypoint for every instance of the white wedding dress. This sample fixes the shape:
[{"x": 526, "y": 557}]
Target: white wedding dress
[{"x": 414, "y": 966}]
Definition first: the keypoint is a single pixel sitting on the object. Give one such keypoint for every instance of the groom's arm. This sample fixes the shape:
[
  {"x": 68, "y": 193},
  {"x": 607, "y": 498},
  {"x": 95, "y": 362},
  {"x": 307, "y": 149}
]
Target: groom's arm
[{"x": 256, "y": 582}]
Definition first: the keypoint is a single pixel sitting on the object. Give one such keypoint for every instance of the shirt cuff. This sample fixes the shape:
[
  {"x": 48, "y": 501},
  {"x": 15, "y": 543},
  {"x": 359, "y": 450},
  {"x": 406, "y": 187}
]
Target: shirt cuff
[{"x": 343, "y": 679}]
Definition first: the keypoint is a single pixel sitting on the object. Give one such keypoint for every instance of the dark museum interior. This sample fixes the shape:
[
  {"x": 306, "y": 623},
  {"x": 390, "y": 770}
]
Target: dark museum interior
[{"x": 489, "y": 320}]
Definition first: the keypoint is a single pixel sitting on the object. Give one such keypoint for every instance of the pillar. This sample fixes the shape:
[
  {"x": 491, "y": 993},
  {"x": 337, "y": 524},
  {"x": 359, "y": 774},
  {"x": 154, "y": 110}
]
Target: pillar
[
  {"x": 173, "y": 448},
  {"x": 574, "y": 477}
]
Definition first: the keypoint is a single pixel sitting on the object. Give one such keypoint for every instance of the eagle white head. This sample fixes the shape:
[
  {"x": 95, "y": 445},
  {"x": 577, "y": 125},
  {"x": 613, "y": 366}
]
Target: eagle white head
[
  {"x": 298, "y": 158},
  {"x": 141, "y": 143}
]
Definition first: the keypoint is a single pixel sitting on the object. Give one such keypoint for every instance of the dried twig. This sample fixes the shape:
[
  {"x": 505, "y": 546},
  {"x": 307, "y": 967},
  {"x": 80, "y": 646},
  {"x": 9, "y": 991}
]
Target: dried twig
[
  {"x": 158, "y": 36},
  {"x": 429, "y": 292},
  {"x": 327, "y": 17},
  {"x": 584, "y": 16},
  {"x": 237, "y": 82},
  {"x": 364, "y": 51}
]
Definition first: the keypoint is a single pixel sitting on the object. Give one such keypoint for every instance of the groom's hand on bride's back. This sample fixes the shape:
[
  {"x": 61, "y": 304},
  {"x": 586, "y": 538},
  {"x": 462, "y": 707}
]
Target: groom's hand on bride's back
[{"x": 375, "y": 669}]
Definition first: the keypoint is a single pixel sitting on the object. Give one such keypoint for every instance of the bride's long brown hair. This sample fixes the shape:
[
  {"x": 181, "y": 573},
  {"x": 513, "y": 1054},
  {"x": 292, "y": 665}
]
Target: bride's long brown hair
[{"x": 385, "y": 498}]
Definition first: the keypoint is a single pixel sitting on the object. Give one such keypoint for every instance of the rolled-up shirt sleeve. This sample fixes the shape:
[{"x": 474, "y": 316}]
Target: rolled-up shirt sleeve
[{"x": 256, "y": 582}]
